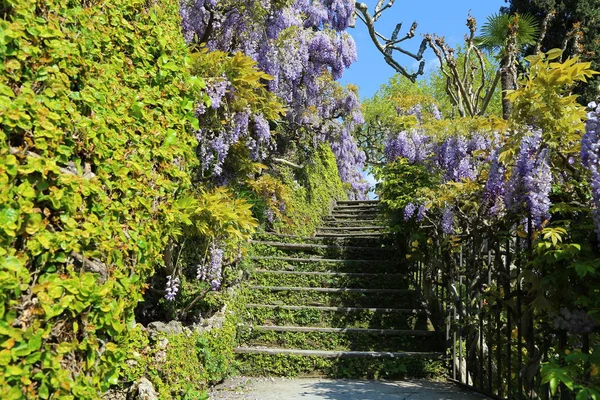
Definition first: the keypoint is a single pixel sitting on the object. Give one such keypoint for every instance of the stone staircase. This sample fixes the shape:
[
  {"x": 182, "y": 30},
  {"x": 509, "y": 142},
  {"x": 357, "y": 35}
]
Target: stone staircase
[{"x": 335, "y": 304}]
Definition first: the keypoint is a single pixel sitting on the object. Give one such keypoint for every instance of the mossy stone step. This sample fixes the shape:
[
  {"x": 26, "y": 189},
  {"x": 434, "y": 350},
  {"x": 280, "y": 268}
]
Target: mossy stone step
[
  {"x": 347, "y": 317},
  {"x": 313, "y": 246},
  {"x": 332, "y": 251},
  {"x": 332, "y": 222},
  {"x": 322, "y": 329},
  {"x": 320, "y": 264},
  {"x": 329, "y": 297},
  {"x": 338, "y": 341},
  {"x": 354, "y": 202},
  {"x": 329, "y": 279},
  {"x": 352, "y": 228},
  {"x": 339, "y": 354},
  {"x": 349, "y": 235},
  {"x": 329, "y": 289},
  {"x": 254, "y": 363}
]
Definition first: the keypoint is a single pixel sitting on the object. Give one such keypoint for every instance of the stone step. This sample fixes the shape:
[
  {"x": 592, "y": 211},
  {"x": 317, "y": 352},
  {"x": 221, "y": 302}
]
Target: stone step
[
  {"x": 331, "y": 240},
  {"x": 350, "y": 235},
  {"x": 333, "y": 274},
  {"x": 345, "y": 217},
  {"x": 352, "y": 228},
  {"x": 351, "y": 279},
  {"x": 343, "y": 317},
  {"x": 313, "y": 259},
  {"x": 356, "y": 209},
  {"x": 328, "y": 290},
  {"x": 311, "y": 246},
  {"x": 354, "y": 214},
  {"x": 337, "y": 354},
  {"x": 326, "y": 264},
  {"x": 411, "y": 311},
  {"x": 354, "y": 202},
  {"x": 303, "y": 329},
  {"x": 338, "y": 338},
  {"x": 329, "y": 221},
  {"x": 331, "y": 297}
]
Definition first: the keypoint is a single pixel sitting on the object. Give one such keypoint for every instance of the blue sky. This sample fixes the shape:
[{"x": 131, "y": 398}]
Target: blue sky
[{"x": 444, "y": 18}]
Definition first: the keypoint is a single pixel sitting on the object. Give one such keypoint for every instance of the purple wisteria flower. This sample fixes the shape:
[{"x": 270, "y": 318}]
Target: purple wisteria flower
[
  {"x": 590, "y": 157},
  {"x": 447, "y": 220},
  {"x": 409, "y": 211},
  {"x": 531, "y": 180},
  {"x": 212, "y": 271},
  {"x": 171, "y": 288}
]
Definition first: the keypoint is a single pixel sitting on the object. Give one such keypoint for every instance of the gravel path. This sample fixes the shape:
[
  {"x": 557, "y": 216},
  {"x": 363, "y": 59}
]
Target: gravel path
[{"x": 242, "y": 388}]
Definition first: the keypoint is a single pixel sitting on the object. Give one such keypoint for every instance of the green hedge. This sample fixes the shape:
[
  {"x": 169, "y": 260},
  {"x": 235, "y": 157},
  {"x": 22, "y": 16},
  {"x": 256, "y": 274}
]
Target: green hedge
[{"x": 94, "y": 147}]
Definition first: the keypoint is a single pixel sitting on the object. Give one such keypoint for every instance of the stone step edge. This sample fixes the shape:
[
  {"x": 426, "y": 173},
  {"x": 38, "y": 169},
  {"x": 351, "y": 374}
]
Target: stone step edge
[
  {"x": 327, "y": 235},
  {"x": 301, "y": 246},
  {"x": 319, "y": 259},
  {"x": 357, "y": 201},
  {"x": 308, "y": 329},
  {"x": 356, "y": 208},
  {"x": 413, "y": 311},
  {"x": 328, "y": 273},
  {"x": 329, "y": 220},
  {"x": 327, "y": 290},
  {"x": 352, "y": 228},
  {"x": 316, "y": 236},
  {"x": 337, "y": 354}
]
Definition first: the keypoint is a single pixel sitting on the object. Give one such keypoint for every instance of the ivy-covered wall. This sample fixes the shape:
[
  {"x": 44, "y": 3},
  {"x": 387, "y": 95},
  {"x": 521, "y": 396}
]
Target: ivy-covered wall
[
  {"x": 312, "y": 191},
  {"x": 94, "y": 148}
]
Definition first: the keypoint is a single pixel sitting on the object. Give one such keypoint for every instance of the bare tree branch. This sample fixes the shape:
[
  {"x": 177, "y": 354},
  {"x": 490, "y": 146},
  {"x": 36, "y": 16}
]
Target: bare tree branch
[{"x": 388, "y": 46}]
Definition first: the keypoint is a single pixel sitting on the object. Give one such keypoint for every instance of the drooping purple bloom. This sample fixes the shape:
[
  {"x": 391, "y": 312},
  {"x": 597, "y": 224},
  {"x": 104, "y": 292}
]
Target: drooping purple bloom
[
  {"x": 409, "y": 211},
  {"x": 590, "y": 157},
  {"x": 212, "y": 271},
  {"x": 447, "y": 220},
  {"x": 171, "y": 288}
]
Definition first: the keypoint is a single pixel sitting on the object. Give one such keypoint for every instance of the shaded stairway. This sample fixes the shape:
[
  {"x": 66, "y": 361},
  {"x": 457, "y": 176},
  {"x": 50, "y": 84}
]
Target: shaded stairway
[{"x": 335, "y": 304}]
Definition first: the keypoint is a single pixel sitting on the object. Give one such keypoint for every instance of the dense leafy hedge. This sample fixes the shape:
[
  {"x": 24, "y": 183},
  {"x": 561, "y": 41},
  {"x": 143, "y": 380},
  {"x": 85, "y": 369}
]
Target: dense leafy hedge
[{"x": 94, "y": 149}]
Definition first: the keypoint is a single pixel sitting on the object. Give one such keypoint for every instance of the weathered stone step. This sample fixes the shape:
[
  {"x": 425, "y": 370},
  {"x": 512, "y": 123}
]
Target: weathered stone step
[
  {"x": 304, "y": 246},
  {"x": 333, "y": 274},
  {"x": 350, "y": 235},
  {"x": 355, "y": 214},
  {"x": 338, "y": 354},
  {"x": 338, "y": 338},
  {"x": 326, "y": 264},
  {"x": 319, "y": 259},
  {"x": 371, "y": 240},
  {"x": 352, "y": 228},
  {"x": 400, "y": 332},
  {"x": 328, "y": 316},
  {"x": 345, "y": 216},
  {"x": 411, "y": 311},
  {"x": 328, "y": 290},
  {"x": 356, "y": 209},
  {"x": 352, "y": 279},
  {"x": 354, "y": 202},
  {"x": 329, "y": 221},
  {"x": 331, "y": 297}
]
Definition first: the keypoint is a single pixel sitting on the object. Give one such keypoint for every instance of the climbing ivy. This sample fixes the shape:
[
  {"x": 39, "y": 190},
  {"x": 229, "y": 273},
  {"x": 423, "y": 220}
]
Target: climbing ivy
[{"x": 95, "y": 109}]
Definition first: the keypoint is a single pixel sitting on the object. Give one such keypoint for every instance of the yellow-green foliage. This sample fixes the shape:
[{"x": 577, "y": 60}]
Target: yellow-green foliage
[
  {"x": 246, "y": 79},
  {"x": 94, "y": 145},
  {"x": 542, "y": 99},
  {"x": 313, "y": 190}
]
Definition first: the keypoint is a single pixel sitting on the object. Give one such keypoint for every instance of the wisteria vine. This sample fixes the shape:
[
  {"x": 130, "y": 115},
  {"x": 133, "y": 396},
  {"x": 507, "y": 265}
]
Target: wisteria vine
[
  {"x": 522, "y": 188},
  {"x": 305, "y": 48}
]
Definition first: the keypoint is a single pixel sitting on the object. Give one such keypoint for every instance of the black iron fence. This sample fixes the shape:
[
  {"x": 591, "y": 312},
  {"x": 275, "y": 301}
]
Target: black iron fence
[{"x": 495, "y": 342}]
